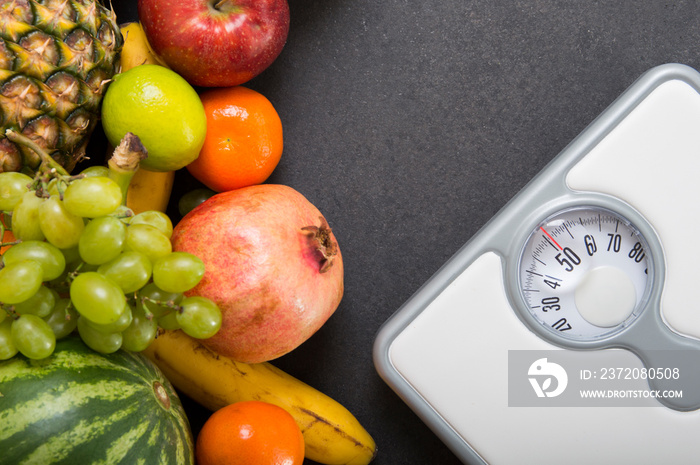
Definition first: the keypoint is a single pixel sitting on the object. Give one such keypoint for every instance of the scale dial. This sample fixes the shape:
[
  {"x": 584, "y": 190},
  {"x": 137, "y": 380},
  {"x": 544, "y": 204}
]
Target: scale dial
[{"x": 585, "y": 273}]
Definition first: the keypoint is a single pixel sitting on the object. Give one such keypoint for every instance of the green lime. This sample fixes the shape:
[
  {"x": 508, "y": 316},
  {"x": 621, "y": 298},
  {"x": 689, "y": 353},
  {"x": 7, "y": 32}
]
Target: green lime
[{"x": 162, "y": 109}]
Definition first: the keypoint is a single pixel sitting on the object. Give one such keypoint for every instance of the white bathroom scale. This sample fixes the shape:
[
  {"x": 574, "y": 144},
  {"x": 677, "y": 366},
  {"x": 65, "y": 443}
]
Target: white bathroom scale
[{"x": 567, "y": 330}]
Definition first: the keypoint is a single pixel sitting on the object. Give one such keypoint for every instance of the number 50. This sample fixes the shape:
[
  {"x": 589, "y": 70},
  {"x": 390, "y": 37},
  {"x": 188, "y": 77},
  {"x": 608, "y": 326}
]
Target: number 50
[{"x": 569, "y": 260}]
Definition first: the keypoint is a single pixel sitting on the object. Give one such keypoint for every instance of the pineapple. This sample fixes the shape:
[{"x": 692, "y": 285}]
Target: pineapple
[{"x": 56, "y": 59}]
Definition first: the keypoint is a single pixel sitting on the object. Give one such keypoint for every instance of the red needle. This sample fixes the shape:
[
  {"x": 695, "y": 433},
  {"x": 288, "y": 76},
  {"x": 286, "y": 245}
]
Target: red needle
[{"x": 551, "y": 238}]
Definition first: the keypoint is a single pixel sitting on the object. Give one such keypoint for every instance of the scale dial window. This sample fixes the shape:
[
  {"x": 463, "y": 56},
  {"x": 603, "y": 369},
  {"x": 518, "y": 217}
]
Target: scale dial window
[{"x": 585, "y": 273}]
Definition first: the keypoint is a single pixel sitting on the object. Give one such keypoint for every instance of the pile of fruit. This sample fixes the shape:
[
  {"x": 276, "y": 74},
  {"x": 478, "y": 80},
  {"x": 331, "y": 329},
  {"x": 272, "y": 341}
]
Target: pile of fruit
[{"x": 104, "y": 302}]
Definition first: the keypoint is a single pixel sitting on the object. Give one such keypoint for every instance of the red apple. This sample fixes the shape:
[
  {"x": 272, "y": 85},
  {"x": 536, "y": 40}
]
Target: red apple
[{"x": 216, "y": 43}]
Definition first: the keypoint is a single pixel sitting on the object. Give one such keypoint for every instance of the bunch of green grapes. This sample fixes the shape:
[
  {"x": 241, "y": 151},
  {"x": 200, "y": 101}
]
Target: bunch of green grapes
[{"x": 83, "y": 263}]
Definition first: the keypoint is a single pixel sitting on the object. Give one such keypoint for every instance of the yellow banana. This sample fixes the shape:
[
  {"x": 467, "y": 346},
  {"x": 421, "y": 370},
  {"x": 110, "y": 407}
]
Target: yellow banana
[
  {"x": 136, "y": 50},
  {"x": 149, "y": 190},
  {"x": 332, "y": 435}
]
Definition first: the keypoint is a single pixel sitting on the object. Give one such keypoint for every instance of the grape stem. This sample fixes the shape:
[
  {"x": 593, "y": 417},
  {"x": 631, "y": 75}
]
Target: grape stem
[
  {"x": 41, "y": 183},
  {"x": 48, "y": 164},
  {"x": 167, "y": 303},
  {"x": 48, "y": 168},
  {"x": 10, "y": 310},
  {"x": 65, "y": 310},
  {"x": 71, "y": 275},
  {"x": 8, "y": 244},
  {"x": 125, "y": 161}
]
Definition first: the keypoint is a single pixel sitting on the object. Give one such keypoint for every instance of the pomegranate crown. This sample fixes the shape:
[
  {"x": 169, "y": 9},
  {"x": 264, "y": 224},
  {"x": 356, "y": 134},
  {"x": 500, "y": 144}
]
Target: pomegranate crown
[{"x": 325, "y": 244}]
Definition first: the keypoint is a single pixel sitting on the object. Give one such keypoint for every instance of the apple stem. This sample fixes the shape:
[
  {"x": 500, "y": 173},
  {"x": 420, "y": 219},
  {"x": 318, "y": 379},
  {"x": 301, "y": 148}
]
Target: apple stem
[{"x": 220, "y": 4}]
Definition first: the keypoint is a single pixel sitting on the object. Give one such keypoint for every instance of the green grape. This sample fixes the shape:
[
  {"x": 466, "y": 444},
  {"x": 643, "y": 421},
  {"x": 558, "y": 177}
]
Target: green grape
[
  {"x": 124, "y": 213},
  {"x": 12, "y": 187},
  {"x": 102, "y": 240},
  {"x": 8, "y": 349},
  {"x": 199, "y": 317},
  {"x": 178, "y": 271},
  {"x": 33, "y": 337},
  {"x": 157, "y": 301},
  {"x": 91, "y": 197},
  {"x": 25, "y": 218},
  {"x": 61, "y": 228},
  {"x": 105, "y": 343},
  {"x": 40, "y": 304},
  {"x": 63, "y": 318},
  {"x": 51, "y": 259},
  {"x": 118, "y": 326},
  {"x": 95, "y": 171},
  {"x": 141, "y": 332},
  {"x": 97, "y": 298},
  {"x": 56, "y": 187},
  {"x": 148, "y": 240},
  {"x": 169, "y": 321},
  {"x": 19, "y": 281},
  {"x": 130, "y": 270},
  {"x": 155, "y": 218},
  {"x": 192, "y": 199}
]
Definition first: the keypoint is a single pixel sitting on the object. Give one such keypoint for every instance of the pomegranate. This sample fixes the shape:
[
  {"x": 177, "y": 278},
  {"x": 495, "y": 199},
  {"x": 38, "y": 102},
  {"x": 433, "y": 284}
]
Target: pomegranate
[{"x": 273, "y": 266}]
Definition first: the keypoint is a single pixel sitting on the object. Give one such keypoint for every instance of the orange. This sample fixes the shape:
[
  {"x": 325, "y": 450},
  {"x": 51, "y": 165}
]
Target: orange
[
  {"x": 243, "y": 144},
  {"x": 7, "y": 238},
  {"x": 250, "y": 433}
]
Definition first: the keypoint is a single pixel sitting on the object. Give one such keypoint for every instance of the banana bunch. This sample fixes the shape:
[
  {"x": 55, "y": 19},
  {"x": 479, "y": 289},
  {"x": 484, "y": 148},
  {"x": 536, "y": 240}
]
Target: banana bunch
[
  {"x": 149, "y": 190},
  {"x": 332, "y": 435}
]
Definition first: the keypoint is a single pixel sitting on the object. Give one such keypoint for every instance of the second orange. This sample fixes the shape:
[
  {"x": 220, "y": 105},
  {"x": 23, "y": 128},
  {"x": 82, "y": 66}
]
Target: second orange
[{"x": 243, "y": 144}]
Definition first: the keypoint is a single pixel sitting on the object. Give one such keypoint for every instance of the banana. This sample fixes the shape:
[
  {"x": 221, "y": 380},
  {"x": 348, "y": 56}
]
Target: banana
[
  {"x": 149, "y": 190},
  {"x": 332, "y": 435},
  {"x": 136, "y": 49}
]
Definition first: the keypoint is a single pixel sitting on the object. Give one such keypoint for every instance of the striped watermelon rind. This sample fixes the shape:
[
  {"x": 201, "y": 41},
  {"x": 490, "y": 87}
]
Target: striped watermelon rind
[{"x": 81, "y": 407}]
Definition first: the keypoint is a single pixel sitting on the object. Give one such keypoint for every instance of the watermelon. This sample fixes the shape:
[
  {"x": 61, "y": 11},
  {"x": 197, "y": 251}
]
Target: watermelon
[{"x": 81, "y": 407}]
